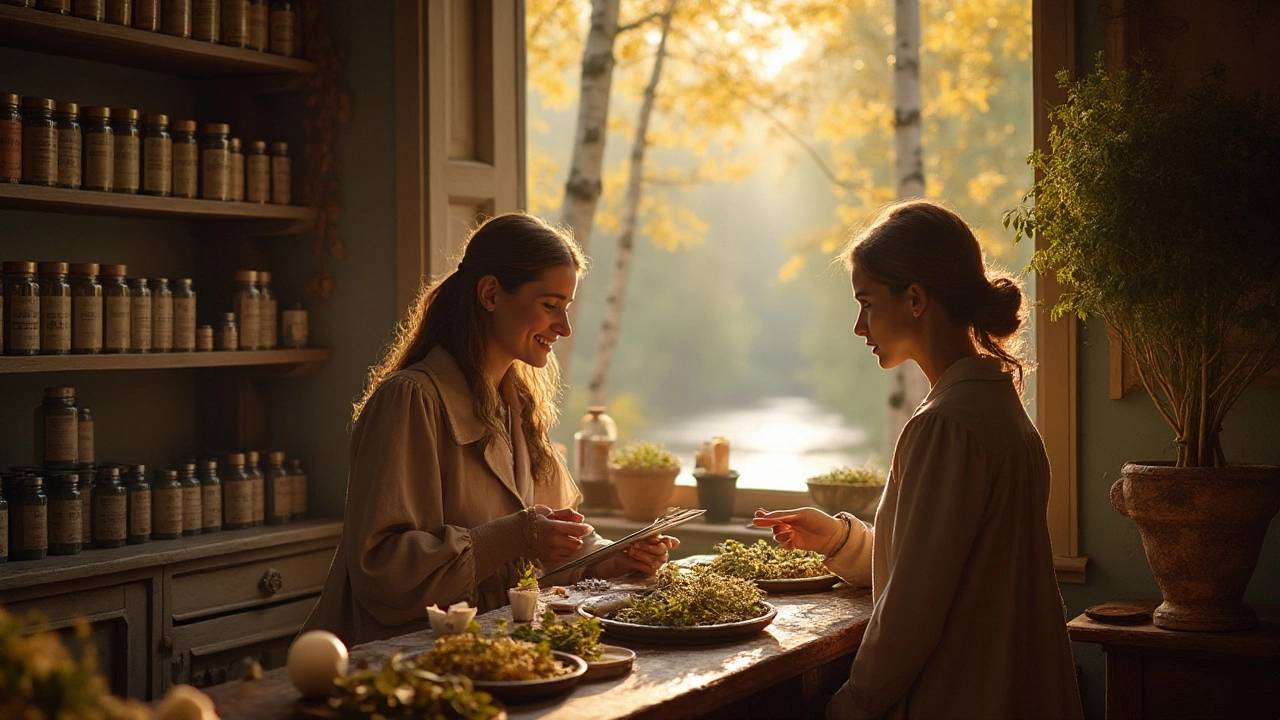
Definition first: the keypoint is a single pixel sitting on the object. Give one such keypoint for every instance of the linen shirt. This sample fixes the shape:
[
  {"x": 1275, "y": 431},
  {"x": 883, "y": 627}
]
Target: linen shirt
[
  {"x": 967, "y": 620},
  {"x": 434, "y": 510}
]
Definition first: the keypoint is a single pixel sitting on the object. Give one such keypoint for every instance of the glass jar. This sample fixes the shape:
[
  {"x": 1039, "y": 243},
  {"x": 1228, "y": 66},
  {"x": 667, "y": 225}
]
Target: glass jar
[
  {"x": 95, "y": 10},
  {"x": 192, "y": 505},
  {"x": 237, "y": 170},
  {"x": 215, "y": 162},
  {"x": 210, "y": 495},
  {"x": 247, "y": 303},
  {"x": 175, "y": 18},
  {"x": 257, "y": 167},
  {"x": 115, "y": 296},
  {"x": 299, "y": 483},
  {"x": 254, "y": 472},
  {"x": 235, "y": 23},
  {"x": 281, "y": 174},
  {"x": 124, "y": 123},
  {"x": 135, "y": 481},
  {"x": 293, "y": 327},
  {"x": 110, "y": 509},
  {"x": 283, "y": 39},
  {"x": 237, "y": 494},
  {"x": 146, "y": 15},
  {"x": 161, "y": 315},
  {"x": 55, "y": 309},
  {"x": 184, "y": 316},
  {"x": 85, "y": 476},
  {"x": 157, "y": 156},
  {"x": 119, "y": 12},
  {"x": 277, "y": 490},
  {"x": 205, "y": 20},
  {"x": 57, "y": 435},
  {"x": 10, "y": 139},
  {"x": 86, "y": 309},
  {"x": 185, "y": 154},
  {"x": 84, "y": 435},
  {"x": 39, "y": 142},
  {"x": 225, "y": 335},
  {"x": 99, "y": 164},
  {"x": 166, "y": 506},
  {"x": 21, "y": 309},
  {"x": 29, "y": 520},
  {"x": 259, "y": 21},
  {"x": 62, "y": 7},
  {"x": 65, "y": 524},
  {"x": 66, "y": 117},
  {"x": 139, "y": 316},
  {"x": 267, "y": 326},
  {"x": 204, "y": 337}
]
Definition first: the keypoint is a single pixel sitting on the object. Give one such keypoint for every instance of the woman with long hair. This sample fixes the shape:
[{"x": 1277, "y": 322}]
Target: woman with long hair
[
  {"x": 967, "y": 619},
  {"x": 453, "y": 484}
]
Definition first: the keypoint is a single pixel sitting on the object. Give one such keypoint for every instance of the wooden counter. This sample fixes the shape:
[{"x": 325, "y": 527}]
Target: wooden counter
[{"x": 788, "y": 670}]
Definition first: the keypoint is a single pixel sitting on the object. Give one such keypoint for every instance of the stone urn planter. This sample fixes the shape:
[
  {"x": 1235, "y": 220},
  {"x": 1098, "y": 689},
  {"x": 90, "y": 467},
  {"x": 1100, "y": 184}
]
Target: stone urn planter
[
  {"x": 1202, "y": 530},
  {"x": 644, "y": 493}
]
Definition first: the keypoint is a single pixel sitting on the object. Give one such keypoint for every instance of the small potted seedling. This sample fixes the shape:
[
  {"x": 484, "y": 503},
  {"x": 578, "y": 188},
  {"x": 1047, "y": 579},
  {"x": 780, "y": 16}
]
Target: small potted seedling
[{"x": 524, "y": 596}]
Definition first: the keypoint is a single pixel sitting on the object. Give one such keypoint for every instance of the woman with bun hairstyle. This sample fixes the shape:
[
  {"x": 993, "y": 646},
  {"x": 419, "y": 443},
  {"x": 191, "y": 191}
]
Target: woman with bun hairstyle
[{"x": 967, "y": 619}]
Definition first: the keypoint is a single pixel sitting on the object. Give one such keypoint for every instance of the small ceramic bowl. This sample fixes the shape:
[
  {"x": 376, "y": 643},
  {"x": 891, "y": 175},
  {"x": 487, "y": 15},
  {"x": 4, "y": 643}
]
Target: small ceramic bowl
[{"x": 452, "y": 621}]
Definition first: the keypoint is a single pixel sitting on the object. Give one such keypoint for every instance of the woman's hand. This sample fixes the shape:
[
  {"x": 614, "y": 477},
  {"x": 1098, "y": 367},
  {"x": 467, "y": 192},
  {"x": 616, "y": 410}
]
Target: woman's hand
[
  {"x": 643, "y": 556},
  {"x": 558, "y": 534},
  {"x": 802, "y": 528}
]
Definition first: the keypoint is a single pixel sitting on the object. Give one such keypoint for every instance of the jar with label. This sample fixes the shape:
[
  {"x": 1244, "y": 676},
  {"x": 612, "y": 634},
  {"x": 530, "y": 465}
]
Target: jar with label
[
  {"x": 62, "y": 7},
  {"x": 146, "y": 15},
  {"x": 192, "y": 507},
  {"x": 299, "y": 483},
  {"x": 185, "y": 154},
  {"x": 57, "y": 436},
  {"x": 257, "y": 167},
  {"x": 21, "y": 309},
  {"x": 99, "y": 150},
  {"x": 95, "y": 10},
  {"x": 166, "y": 506},
  {"x": 293, "y": 327},
  {"x": 66, "y": 116},
  {"x": 64, "y": 514},
  {"x": 259, "y": 21},
  {"x": 281, "y": 174},
  {"x": 139, "y": 316},
  {"x": 210, "y": 496},
  {"x": 120, "y": 12},
  {"x": 39, "y": 142},
  {"x": 205, "y": 20},
  {"x": 115, "y": 300},
  {"x": 161, "y": 315},
  {"x": 237, "y": 170},
  {"x": 175, "y": 18},
  {"x": 29, "y": 520},
  {"x": 135, "y": 481},
  {"x": 267, "y": 330},
  {"x": 84, "y": 435},
  {"x": 225, "y": 335},
  {"x": 55, "y": 309},
  {"x": 10, "y": 139},
  {"x": 126, "y": 176},
  {"x": 4, "y": 527},
  {"x": 110, "y": 509},
  {"x": 215, "y": 162},
  {"x": 86, "y": 309},
  {"x": 283, "y": 40},
  {"x": 235, "y": 23},
  {"x": 86, "y": 475},
  {"x": 157, "y": 156},
  {"x": 204, "y": 337},
  {"x": 247, "y": 303},
  {"x": 237, "y": 494},
  {"x": 184, "y": 316},
  {"x": 277, "y": 490},
  {"x": 251, "y": 468}
]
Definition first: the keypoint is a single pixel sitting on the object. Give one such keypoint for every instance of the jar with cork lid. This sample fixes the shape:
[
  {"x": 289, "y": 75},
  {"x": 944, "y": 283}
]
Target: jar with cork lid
[
  {"x": 210, "y": 495},
  {"x": 57, "y": 436},
  {"x": 29, "y": 520},
  {"x": 235, "y": 23},
  {"x": 39, "y": 142},
  {"x": 293, "y": 327},
  {"x": 66, "y": 116},
  {"x": 277, "y": 490},
  {"x": 247, "y": 303},
  {"x": 99, "y": 165},
  {"x": 175, "y": 18},
  {"x": 281, "y": 174},
  {"x": 184, "y": 316},
  {"x": 85, "y": 440},
  {"x": 283, "y": 37},
  {"x": 237, "y": 170},
  {"x": 206, "y": 20},
  {"x": 225, "y": 334},
  {"x": 192, "y": 505},
  {"x": 161, "y": 315},
  {"x": 65, "y": 524},
  {"x": 186, "y": 159},
  {"x": 116, "y": 310},
  {"x": 157, "y": 156},
  {"x": 259, "y": 21},
  {"x": 110, "y": 509},
  {"x": 21, "y": 308},
  {"x": 146, "y": 15},
  {"x": 135, "y": 481},
  {"x": 215, "y": 162},
  {"x": 257, "y": 169},
  {"x": 299, "y": 482},
  {"x": 128, "y": 140},
  {"x": 252, "y": 469},
  {"x": 237, "y": 493},
  {"x": 10, "y": 139},
  {"x": 55, "y": 309},
  {"x": 267, "y": 330},
  {"x": 205, "y": 335},
  {"x": 166, "y": 506},
  {"x": 86, "y": 309},
  {"x": 139, "y": 315}
]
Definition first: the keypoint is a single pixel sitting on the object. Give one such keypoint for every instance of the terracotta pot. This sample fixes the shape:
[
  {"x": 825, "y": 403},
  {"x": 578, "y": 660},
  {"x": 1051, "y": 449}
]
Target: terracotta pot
[
  {"x": 1202, "y": 529},
  {"x": 860, "y": 500},
  {"x": 644, "y": 494}
]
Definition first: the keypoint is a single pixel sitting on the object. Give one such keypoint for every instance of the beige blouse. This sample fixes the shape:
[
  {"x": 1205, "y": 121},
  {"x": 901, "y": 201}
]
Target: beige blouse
[
  {"x": 968, "y": 621},
  {"x": 434, "y": 509}
]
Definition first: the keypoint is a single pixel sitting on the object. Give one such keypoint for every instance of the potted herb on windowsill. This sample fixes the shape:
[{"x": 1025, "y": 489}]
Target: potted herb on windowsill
[
  {"x": 845, "y": 489},
  {"x": 1162, "y": 212},
  {"x": 644, "y": 474}
]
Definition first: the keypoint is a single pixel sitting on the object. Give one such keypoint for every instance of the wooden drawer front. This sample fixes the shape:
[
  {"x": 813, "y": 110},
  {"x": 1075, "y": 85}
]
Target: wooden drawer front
[
  {"x": 214, "y": 651},
  {"x": 208, "y": 592}
]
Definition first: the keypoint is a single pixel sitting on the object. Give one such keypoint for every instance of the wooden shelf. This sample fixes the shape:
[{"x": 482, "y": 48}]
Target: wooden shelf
[
  {"x": 291, "y": 362},
  {"x": 51, "y": 199},
  {"x": 68, "y": 36}
]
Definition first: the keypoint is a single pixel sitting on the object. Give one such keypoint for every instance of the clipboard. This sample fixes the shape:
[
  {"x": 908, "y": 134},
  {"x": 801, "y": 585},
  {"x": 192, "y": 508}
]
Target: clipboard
[{"x": 677, "y": 516}]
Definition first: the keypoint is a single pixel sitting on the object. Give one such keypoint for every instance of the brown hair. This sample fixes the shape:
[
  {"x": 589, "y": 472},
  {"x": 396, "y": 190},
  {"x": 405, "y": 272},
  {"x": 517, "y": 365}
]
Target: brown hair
[
  {"x": 918, "y": 241},
  {"x": 516, "y": 249}
]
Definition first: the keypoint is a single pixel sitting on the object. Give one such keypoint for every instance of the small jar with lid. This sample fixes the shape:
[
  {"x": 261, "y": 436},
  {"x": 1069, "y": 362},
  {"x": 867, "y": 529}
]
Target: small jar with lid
[
  {"x": 86, "y": 309},
  {"x": 283, "y": 33},
  {"x": 146, "y": 15},
  {"x": 117, "y": 312},
  {"x": 39, "y": 142},
  {"x": 99, "y": 166},
  {"x": 237, "y": 493},
  {"x": 161, "y": 315},
  {"x": 293, "y": 327},
  {"x": 205, "y": 335},
  {"x": 10, "y": 139},
  {"x": 65, "y": 524},
  {"x": 192, "y": 505},
  {"x": 135, "y": 481},
  {"x": 257, "y": 171},
  {"x": 247, "y": 303},
  {"x": 126, "y": 177},
  {"x": 139, "y": 316},
  {"x": 299, "y": 483},
  {"x": 237, "y": 170},
  {"x": 268, "y": 329},
  {"x": 259, "y": 22},
  {"x": 29, "y": 520},
  {"x": 85, "y": 440},
  {"x": 57, "y": 435},
  {"x": 206, "y": 20},
  {"x": 157, "y": 156},
  {"x": 95, "y": 10},
  {"x": 175, "y": 18},
  {"x": 184, "y": 316},
  {"x": 235, "y": 23},
  {"x": 254, "y": 471},
  {"x": 85, "y": 476},
  {"x": 66, "y": 117},
  {"x": 186, "y": 159},
  {"x": 215, "y": 162},
  {"x": 21, "y": 308},
  {"x": 55, "y": 309},
  {"x": 225, "y": 334},
  {"x": 210, "y": 495},
  {"x": 120, "y": 12},
  {"x": 110, "y": 509},
  {"x": 166, "y": 506},
  {"x": 281, "y": 174},
  {"x": 277, "y": 490}
]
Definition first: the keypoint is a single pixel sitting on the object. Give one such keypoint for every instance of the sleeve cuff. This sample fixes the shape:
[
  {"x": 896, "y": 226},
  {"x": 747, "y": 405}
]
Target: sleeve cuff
[{"x": 501, "y": 541}]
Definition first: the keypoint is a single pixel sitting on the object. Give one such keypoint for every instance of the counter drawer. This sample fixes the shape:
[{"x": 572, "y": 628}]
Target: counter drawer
[
  {"x": 200, "y": 593},
  {"x": 215, "y": 651}
]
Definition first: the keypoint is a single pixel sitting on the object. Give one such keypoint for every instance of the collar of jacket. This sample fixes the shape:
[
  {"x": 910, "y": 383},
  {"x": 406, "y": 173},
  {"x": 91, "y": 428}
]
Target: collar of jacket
[{"x": 975, "y": 367}]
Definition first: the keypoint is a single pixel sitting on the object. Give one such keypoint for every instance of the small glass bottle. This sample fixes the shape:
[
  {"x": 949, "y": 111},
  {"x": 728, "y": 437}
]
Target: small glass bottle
[
  {"x": 299, "y": 483},
  {"x": 21, "y": 308},
  {"x": 210, "y": 496},
  {"x": 192, "y": 505},
  {"x": 110, "y": 509},
  {"x": 85, "y": 475},
  {"x": 135, "y": 482},
  {"x": 184, "y": 316},
  {"x": 157, "y": 156},
  {"x": 237, "y": 170},
  {"x": 115, "y": 295},
  {"x": 186, "y": 159},
  {"x": 175, "y": 18},
  {"x": 283, "y": 38},
  {"x": 55, "y": 309},
  {"x": 268, "y": 330},
  {"x": 293, "y": 327},
  {"x": 235, "y": 23},
  {"x": 204, "y": 337},
  {"x": 139, "y": 316},
  {"x": 10, "y": 139},
  {"x": 99, "y": 166},
  {"x": 127, "y": 170},
  {"x": 281, "y": 174},
  {"x": 146, "y": 15},
  {"x": 215, "y": 162},
  {"x": 39, "y": 142},
  {"x": 65, "y": 524},
  {"x": 95, "y": 10},
  {"x": 225, "y": 335},
  {"x": 205, "y": 20},
  {"x": 62, "y": 7},
  {"x": 237, "y": 494},
  {"x": 120, "y": 12},
  {"x": 277, "y": 490},
  {"x": 166, "y": 506},
  {"x": 86, "y": 309},
  {"x": 29, "y": 520},
  {"x": 161, "y": 315},
  {"x": 85, "y": 441},
  {"x": 57, "y": 435},
  {"x": 66, "y": 116},
  {"x": 257, "y": 167},
  {"x": 247, "y": 303},
  {"x": 259, "y": 22},
  {"x": 251, "y": 468}
]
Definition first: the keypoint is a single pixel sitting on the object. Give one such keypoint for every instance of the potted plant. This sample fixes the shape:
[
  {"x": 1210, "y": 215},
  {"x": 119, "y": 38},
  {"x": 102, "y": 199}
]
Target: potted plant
[
  {"x": 846, "y": 489},
  {"x": 644, "y": 474},
  {"x": 716, "y": 483},
  {"x": 524, "y": 596},
  {"x": 1161, "y": 210}
]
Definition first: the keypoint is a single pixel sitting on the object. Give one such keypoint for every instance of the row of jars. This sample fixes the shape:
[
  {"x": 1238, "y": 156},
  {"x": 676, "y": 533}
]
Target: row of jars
[
  {"x": 253, "y": 24},
  {"x": 49, "y": 512},
  {"x": 50, "y": 144}
]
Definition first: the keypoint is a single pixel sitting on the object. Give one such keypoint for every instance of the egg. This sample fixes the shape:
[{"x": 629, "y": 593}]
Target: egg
[
  {"x": 316, "y": 659},
  {"x": 184, "y": 702}
]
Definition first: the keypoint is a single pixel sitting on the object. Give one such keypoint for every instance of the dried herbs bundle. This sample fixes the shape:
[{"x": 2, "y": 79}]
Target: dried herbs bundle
[{"x": 689, "y": 598}]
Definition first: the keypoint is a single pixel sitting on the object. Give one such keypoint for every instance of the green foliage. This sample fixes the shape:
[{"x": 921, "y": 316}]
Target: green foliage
[
  {"x": 402, "y": 691},
  {"x": 865, "y": 475},
  {"x": 1162, "y": 210},
  {"x": 685, "y": 598},
  {"x": 579, "y": 636},
  {"x": 763, "y": 561},
  {"x": 643, "y": 455},
  {"x": 484, "y": 657},
  {"x": 527, "y": 581}
]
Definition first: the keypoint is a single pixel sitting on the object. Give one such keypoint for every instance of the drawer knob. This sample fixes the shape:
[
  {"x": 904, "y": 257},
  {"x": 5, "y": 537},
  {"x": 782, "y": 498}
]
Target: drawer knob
[{"x": 271, "y": 582}]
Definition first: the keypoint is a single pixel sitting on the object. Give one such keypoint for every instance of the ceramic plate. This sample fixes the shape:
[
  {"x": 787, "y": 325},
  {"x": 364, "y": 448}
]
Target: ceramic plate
[
  {"x": 318, "y": 709},
  {"x": 521, "y": 690},
  {"x": 615, "y": 662},
  {"x": 798, "y": 585},
  {"x": 658, "y": 635}
]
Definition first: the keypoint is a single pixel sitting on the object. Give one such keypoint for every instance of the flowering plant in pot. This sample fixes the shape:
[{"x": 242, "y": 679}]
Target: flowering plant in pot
[
  {"x": 644, "y": 474},
  {"x": 1162, "y": 210}
]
